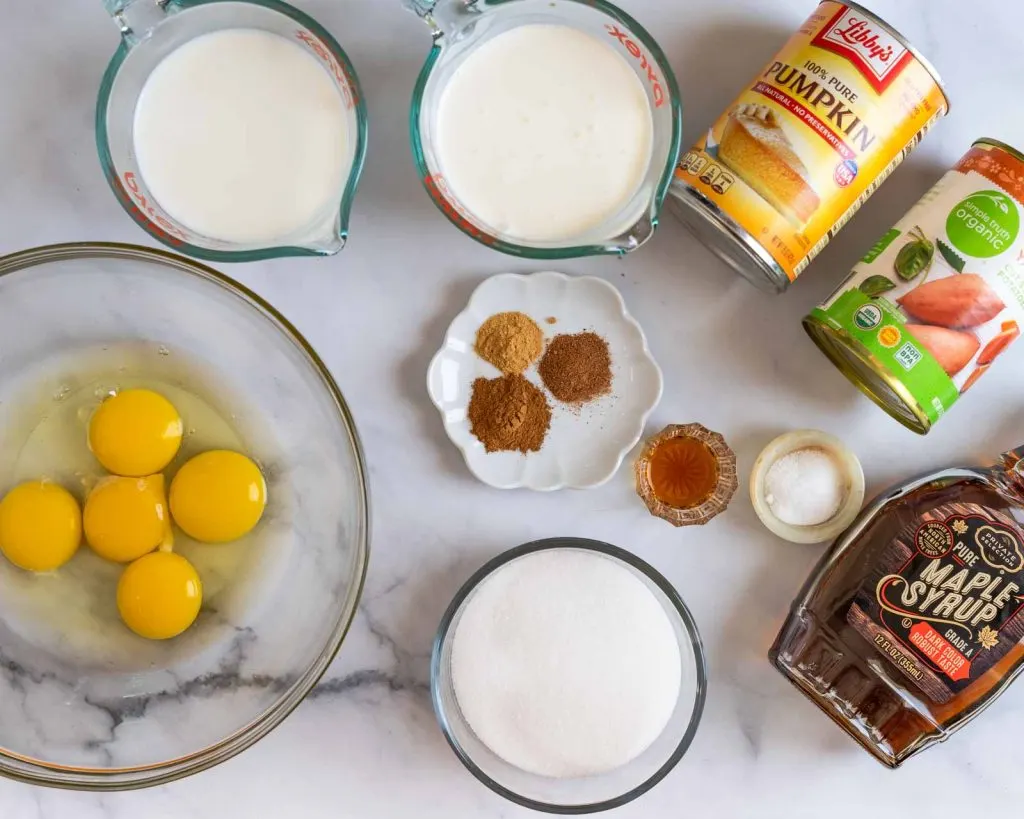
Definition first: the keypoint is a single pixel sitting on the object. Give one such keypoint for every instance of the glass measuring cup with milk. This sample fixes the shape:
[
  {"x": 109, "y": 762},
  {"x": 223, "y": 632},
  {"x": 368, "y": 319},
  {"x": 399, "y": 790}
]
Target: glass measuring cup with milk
[
  {"x": 545, "y": 128},
  {"x": 231, "y": 130}
]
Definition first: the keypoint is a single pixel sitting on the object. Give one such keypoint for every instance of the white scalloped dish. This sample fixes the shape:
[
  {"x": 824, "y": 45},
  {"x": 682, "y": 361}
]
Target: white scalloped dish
[{"x": 585, "y": 445}]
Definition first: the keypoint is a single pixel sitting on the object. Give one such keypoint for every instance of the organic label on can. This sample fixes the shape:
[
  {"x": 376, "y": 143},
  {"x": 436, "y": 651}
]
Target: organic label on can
[
  {"x": 941, "y": 295},
  {"x": 946, "y": 600},
  {"x": 817, "y": 131}
]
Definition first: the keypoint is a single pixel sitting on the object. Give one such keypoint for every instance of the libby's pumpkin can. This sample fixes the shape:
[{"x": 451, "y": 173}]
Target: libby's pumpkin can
[{"x": 806, "y": 143}]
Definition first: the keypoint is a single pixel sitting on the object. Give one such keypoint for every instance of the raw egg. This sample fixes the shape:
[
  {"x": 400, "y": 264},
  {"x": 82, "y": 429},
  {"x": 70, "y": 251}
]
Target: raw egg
[
  {"x": 40, "y": 526},
  {"x": 218, "y": 496},
  {"x": 135, "y": 433},
  {"x": 126, "y": 517},
  {"x": 159, "y": 595}
]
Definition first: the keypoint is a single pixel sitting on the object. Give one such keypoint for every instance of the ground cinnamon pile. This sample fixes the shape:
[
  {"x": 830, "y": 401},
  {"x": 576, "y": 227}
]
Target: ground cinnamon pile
[
  {"x": 509, "y": 414},
  {"x": 577, "y": 368},
  {"x": 510, "y": 341}
]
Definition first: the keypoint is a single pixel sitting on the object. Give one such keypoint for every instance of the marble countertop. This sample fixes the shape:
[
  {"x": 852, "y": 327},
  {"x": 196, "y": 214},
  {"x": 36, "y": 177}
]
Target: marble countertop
[{"x": 365, "y": 743}]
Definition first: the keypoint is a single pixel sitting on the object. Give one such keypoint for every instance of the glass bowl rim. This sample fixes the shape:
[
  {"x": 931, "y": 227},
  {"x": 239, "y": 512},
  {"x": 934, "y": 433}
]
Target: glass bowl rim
[
  {"x": 614, "y": 245},
  {"x": 38, "y": 772},
  {"x": 608, "y": 550}
]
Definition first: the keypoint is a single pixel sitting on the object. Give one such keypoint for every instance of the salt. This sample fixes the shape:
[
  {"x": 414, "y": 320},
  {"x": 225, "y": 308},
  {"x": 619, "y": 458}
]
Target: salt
[
  {"x": 565, "y": 664},
  {"x": 806, "y": 487}
]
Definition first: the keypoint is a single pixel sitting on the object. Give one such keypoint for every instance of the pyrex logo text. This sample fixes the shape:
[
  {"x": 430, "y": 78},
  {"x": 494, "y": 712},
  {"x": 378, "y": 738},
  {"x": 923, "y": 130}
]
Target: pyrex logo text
[
  {"x": 657, "y": 89},
  {"x": 437, "y": 187},
  {"x": 138, "y": 205},
  {"x": 338, "y": 71}
]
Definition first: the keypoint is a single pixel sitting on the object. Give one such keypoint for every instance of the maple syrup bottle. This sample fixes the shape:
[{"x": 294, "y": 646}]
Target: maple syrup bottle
[{"x": 913, "y": 622}]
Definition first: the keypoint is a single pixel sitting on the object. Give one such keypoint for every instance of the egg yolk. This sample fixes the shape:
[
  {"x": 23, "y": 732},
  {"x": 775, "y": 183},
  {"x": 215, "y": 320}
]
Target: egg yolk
[
  {"x": 40, "y": 526},
  {"x": 218, "y": 496},
  {"x": 135, "y": 433},
  {"x": 159, "y": 595},
  {"x": 126, "y": 517}
]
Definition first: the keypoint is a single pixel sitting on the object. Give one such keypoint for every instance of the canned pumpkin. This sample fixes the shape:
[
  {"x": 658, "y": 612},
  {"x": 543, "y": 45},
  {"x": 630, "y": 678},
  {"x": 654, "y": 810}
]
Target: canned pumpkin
[
  {"x": 939, "y": 297},
  {"x": 812, "y": 137}
]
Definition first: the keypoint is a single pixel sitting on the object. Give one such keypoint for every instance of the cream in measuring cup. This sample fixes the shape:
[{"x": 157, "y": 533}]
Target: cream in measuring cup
[
  {"x": 240, "y": 135},
  {"x": 545, "y": 130},
  {"x": 231, "y": 130}
]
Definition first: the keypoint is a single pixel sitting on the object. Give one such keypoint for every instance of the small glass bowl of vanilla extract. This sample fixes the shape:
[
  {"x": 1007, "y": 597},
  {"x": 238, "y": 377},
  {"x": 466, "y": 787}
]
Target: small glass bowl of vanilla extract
[{"x": 686, "y": 474}]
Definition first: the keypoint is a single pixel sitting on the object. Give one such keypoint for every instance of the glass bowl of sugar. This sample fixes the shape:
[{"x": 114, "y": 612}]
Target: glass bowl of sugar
[{"x": 568, "y": 676}]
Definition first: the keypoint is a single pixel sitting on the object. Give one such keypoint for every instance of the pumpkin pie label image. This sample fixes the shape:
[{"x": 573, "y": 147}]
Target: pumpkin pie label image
[{"x": 809, "y": 140}]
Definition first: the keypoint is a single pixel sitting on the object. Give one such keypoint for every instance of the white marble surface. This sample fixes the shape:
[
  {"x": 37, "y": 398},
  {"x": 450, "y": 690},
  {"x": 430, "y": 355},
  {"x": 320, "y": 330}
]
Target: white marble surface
[{"x": 365, "y": 743}]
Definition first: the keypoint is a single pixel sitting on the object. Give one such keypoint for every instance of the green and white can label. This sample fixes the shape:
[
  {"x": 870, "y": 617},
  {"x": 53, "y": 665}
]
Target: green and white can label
[{"x": 940, "y": 296}]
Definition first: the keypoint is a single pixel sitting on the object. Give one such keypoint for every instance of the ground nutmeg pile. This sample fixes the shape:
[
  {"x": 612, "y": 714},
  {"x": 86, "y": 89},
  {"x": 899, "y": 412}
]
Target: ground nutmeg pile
[
  {"x": 577, "y": 368},
  {"x": 510, "y": 341},
  {"x": 509, "y": 414}
]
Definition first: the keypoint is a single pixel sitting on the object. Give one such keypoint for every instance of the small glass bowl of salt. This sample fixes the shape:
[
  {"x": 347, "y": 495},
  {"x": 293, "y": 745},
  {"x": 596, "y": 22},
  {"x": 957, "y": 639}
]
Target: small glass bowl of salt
[{"x": 807, "y": 486}]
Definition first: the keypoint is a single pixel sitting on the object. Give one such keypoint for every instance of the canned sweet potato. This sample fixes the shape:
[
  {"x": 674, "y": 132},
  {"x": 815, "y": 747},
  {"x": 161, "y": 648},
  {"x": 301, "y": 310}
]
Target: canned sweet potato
[
  {"x": 939, "y": 297},
  {"x": 802, "y": 148}
]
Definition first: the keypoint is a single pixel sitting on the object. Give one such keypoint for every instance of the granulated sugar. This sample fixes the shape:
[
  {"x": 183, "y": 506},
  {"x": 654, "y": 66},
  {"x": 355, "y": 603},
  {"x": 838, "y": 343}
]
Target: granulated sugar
[{"x": 565, "y": 664}]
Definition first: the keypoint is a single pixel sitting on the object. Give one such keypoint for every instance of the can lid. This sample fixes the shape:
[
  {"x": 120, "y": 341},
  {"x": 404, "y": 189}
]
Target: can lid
[
  {"x": 868, "y": 374},
  {"x": 724, "y": 237},
  {"x": 1002, "y": 146},
  {"x": 906, "y": 44}
]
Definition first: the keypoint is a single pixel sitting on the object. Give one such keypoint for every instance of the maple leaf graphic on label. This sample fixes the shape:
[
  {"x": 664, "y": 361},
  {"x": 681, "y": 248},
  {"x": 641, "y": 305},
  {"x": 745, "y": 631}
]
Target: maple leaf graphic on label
[
  {"x": 988, "y": 638},
  {"x": 960, "y": 527}
]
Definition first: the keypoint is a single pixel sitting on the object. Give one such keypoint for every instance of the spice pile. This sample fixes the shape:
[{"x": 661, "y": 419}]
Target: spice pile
[
  {"x": 510, "y": 413},
  {"x": 577, "y": 368},
  {"x": 510, "y": 341}
]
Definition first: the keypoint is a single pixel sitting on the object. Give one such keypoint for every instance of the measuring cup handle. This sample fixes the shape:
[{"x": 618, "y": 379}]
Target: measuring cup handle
[
  {"x": 421, "y": 7},
  {"x": 445, "y": 15},
  {"x": 136, "y": 18}
]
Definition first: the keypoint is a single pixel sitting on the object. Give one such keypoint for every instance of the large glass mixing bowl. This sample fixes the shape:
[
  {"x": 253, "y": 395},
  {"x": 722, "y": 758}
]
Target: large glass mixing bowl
[{"x": 84, "y": 703}]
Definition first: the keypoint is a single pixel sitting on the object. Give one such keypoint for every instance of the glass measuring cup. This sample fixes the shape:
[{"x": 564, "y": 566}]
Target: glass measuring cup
[
  {"x": 152, "y": 29},
  {"x": 460, "y": 26}
]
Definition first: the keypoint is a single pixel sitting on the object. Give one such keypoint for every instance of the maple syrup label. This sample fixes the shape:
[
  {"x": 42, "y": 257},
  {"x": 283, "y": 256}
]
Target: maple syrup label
[{"x": 946, "y": 600}]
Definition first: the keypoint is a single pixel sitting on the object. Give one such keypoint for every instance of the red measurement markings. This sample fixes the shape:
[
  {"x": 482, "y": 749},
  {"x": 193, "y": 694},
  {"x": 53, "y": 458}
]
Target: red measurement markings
[
  {"x": 139, "y": 206},
  {"x": 438, "y": 189},
  {"x": 657, "y": 89},
  {"x": 338, "y": 69}
]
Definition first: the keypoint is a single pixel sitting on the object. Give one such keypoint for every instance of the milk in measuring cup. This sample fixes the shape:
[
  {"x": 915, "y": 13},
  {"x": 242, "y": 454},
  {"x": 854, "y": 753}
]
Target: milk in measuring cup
[
  {"x": 544, "y": 133},
  {"x": 240, "y": 135}
]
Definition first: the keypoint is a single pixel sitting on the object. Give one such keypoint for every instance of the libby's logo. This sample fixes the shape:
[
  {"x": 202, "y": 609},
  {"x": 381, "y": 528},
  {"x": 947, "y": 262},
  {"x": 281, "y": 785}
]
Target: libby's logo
[
  {"x": 859, "y": 33},
  {"x": 657, "y": 89},
  {"x": 877, "y": 54}
]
